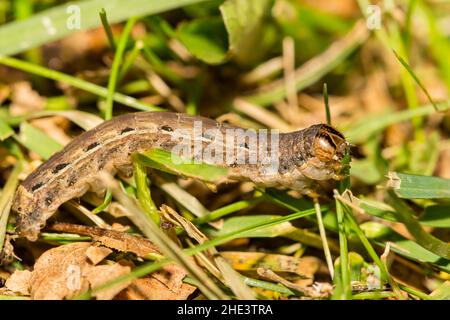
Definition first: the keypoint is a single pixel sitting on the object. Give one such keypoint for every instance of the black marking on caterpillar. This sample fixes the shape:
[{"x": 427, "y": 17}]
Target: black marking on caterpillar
[
  {"x": 128, "y": 129},
  {"x": 59, "y": 167},
  {"x": 37, "y": 186},
  {"x": 166, "y": 128},
  {"x": 91, "y": 146}
]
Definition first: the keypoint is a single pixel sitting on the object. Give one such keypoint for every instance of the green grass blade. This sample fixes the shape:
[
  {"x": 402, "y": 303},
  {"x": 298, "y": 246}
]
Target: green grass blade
[
  {"x": 243, "y": 20},
  {"x": 5, "y": 130},
  {"x": 371, "y": 251},
  {"x": 61, "y": 21},
  {"x": 6, "y": 199},
  {"x": 37, "y": 141},
  {"x": 366, "y": 127},
  {"x": 228, "y": 209},
  {"x": 442, "y": 292},
  {"x": 143, "y": 192},
  {"x": 104, "y": 204},
  {"x": 436, "y": 216},
  {"x": 343, "y": 246},
  {"x": 411, "y": 186},
  {"x": 169, "y": 162},
  {"x": 433, "y": 216},
  {"x": 116, "y": 66},
  {"x": 326, "y": 102},
  {"x": 191, "y": 203},
  {"x": 416, "y": 79},
  {"x": 107, "y": 28},
  {"x": 75, "y": 82},
  {"x": 84, "y": 120},
  {"x": 402, "y": 246},
  {"x": 405, "y": 215},
  {"x": 286, "y": 230}
]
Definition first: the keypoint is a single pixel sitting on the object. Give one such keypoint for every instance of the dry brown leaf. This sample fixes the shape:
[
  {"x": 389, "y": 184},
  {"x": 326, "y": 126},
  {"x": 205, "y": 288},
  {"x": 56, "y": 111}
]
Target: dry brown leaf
[
  {"x": 58, "y": 272},
  {"x": 65, "y": 272},
  {"x": 19, "y": 282},
  {"x": 25, "y": 99},
  {"x": 99, "y": 275},
  {"x": 111, "y": 238},
  {"x": 166, "y": 284},
  {"x": 97, "y": 254}
]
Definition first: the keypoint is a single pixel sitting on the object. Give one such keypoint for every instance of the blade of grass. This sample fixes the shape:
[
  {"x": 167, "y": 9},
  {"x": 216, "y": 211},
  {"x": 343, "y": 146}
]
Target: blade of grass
[
  {"x": 366, "y": 127},
  {"x": 170, "y": 162},
  {"x": 77, "y": 83},
  {"x": 23, "y": 10},
  {"x": 6, "y": 199},
  {"x": 285, "y": 229},
  {"x": 371, "y": 251},
  {"x": 5, "y": 130},
  {"x": 344, "y": 265},
  {"x": 377, "y": 295},
  {"x": 5, "y": 297},
  {"x": 406, "y": 216},
  {"x": 410, "y": 186},
  {"x": 409, "y": 88},
  {"x": 442, "y": 292},
  {"x": 129, "y": 60},
  {"x": 84, "y": 120},
  {"x": 105, "y": 204},
  {"x": 115, "y": 67},
  {"x": 228, "y": 209},
  {"x": 267, "y": 286},
  {"x": 143, "y": 192},
  {"x": 63, "y": 237},
  {"x": 37, "y": 141},
  {"x": 438, "y": 42},
  {"x": 233, "y": 280},
  {"x": 285, "y": 200},
  {"x": 410, "y": 249},
  {"x": 107, "y": 29},
  {"x": 327, "y": 105},
  {"x": 408, "y": 24},
  {"x": 323, "y": 236},
  {"x": 415, "y": 292},
  {"x": 65, "y": 19},
  {"x": 416, "y": 79},
  {"x": 183, "y": 197}
]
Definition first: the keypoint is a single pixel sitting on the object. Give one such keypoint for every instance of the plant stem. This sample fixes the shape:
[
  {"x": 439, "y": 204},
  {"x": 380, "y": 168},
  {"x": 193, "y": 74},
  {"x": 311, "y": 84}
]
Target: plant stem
[
  {"x": 75, "y": 82},
  {"x": 323, "y": 236},
  {"x": 115, "y": 67}
]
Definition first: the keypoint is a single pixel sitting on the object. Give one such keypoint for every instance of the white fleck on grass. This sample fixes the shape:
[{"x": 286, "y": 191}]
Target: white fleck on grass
[
  {"x": 48, "y": 24},
  {"x": 130, "y": 100},
  {"x": 23, "y": 45}
]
